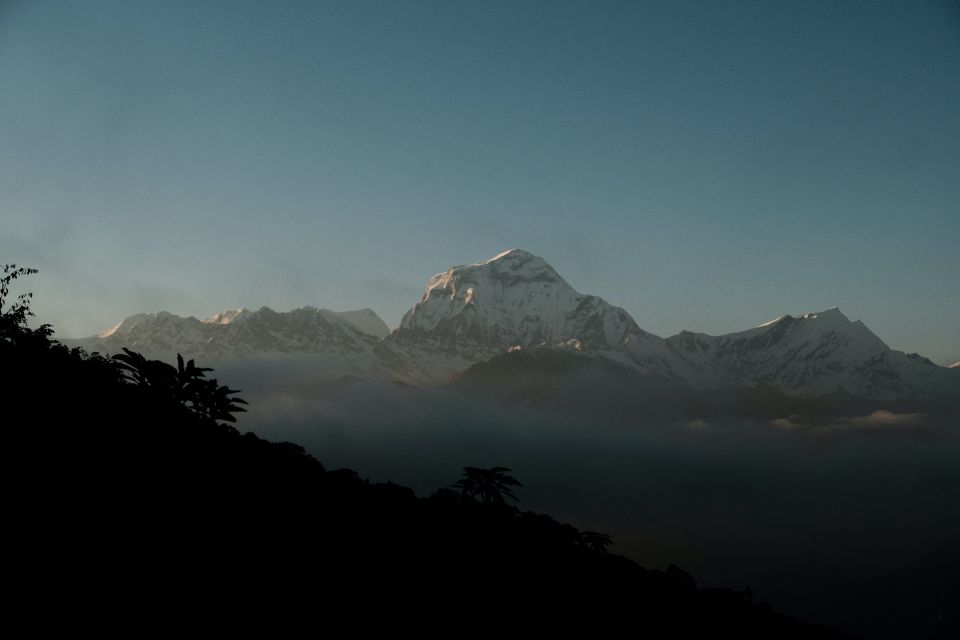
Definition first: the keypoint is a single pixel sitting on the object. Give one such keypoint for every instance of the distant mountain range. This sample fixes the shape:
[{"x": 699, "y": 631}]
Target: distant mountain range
[{"x": 516, "y": 301}]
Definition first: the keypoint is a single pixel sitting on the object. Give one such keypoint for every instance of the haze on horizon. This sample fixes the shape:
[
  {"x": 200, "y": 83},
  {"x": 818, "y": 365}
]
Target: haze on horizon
[{"x": 706, "y": 167}]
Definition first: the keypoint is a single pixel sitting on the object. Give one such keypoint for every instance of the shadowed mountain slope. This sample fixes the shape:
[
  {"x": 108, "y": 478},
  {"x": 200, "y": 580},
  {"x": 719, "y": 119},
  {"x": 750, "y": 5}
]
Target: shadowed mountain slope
[{"x": 573, "y": 383}]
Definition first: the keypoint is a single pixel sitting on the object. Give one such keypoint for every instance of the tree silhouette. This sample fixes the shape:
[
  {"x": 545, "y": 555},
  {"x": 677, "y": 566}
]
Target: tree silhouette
[
  {"x": 185, "y": 384},
  {"x": 595, "y": 541},
  {"x": 213, "y": 401},
  {"x": 489, "y": 486},
  {"x": 20, "y": 310},
  {"x": 13, "y": 317}
]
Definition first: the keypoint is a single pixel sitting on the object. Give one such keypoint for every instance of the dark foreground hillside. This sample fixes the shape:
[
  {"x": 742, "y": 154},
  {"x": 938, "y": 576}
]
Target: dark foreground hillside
[{"x": 129, "y": 506}]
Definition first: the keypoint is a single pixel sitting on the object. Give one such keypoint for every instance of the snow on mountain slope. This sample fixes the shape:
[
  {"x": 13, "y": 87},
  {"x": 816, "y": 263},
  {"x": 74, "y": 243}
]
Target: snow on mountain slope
[
  {"x": 473, "y": 312},
  {"x": 812, "y": 354},
  {"x": 511, "y": 298},
  {"x": 241, "y": 333},
  {"x": 367, "y": 321}
]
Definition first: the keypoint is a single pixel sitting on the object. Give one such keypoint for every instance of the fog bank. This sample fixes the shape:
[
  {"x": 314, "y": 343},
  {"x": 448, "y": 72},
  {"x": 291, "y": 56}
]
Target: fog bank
[{"x": 789, "y": 507}]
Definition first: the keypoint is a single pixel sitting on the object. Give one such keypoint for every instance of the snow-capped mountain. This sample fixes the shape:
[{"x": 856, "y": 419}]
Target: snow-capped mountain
[
  {"x": 243, "y": 333},
  {"x": 812, "y": 354},
  {"x": 516, "y": 300},
  {"x": 471, "y": 313}
]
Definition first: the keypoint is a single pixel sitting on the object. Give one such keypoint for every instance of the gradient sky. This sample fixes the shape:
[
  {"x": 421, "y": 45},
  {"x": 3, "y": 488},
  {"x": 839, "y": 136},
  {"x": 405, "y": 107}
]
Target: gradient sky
[{"x": 705, "y": 165}]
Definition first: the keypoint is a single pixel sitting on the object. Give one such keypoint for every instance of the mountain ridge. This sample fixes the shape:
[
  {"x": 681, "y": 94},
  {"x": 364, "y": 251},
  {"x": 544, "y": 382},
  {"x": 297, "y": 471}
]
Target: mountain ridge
[
  {"x": 241, "y": 333},
  {"x": 516, "y": 300}
]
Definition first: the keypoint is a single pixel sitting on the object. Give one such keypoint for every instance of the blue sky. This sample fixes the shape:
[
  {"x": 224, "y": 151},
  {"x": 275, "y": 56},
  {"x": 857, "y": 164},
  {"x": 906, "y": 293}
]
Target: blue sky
[{"x": 705, "y": 165}]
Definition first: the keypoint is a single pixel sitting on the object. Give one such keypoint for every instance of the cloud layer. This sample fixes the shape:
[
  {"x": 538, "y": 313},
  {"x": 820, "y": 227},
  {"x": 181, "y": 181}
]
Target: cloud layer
[{"x": 786, "y": 506}]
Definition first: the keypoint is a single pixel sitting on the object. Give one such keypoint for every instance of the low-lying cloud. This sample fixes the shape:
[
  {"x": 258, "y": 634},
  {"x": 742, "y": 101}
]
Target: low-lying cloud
[
  {"x": 785, "y": 506},
  {"x": 880, "y": 423}
]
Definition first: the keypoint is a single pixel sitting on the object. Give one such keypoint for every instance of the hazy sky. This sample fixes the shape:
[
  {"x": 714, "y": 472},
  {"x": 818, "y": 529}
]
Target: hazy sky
[{"x": 705, "y": 165}]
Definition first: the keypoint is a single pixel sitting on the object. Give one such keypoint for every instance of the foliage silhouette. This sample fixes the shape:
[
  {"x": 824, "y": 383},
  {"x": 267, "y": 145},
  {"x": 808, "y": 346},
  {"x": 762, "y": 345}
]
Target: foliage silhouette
[
  {"x": 185, "y": 384},
  {"x": 19, "y": 311},
  {"x": 489, "y": 486},
  {"x": 595, "y": 541},
  {"x": 125, "y": 498},
  {"x": 13, "y": 318}
]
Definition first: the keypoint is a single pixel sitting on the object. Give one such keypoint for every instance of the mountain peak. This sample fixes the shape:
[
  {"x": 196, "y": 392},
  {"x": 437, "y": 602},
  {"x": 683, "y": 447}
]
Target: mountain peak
[
  {"x": 770, "y": 323},
  {"x": 515, "y": 298},
  {"x": 808, "y": 354},
  {"x": 808, "y": 326},
  {"x": 228, "y": 316},
  {"x": 511, "y": 254},
  {"x": 366, "y": 320},
  {"x": 832, "y": 314},
  {"x": 139, "y": 321},
  {"x": 493, "y": 295},
  {"x": 516, "y": 263}
]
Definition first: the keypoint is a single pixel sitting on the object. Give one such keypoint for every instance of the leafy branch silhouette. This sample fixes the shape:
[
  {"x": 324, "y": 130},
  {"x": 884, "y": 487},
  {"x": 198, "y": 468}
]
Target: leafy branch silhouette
[
  {"x": 488, "y": 486},
  {"x": 185, "y": 384},
  {"x": 595, "y": 541},
  {"x": 13, "y": 318}
]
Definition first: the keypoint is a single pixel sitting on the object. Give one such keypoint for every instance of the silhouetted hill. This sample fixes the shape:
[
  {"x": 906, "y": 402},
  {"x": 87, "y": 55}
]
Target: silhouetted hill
[
  {"x": 920, "y": 600},
  {"x": 131, "y": 500}
]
